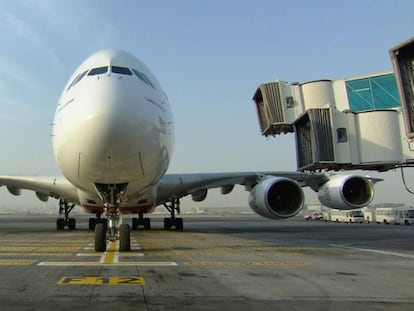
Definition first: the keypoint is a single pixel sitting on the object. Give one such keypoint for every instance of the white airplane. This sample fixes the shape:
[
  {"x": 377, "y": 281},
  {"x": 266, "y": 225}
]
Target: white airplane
[{"x": 113, "y": 137}]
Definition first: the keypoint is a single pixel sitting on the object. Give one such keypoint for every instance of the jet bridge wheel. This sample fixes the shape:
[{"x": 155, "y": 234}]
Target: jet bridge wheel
[
  {"x": 100, "y": 237},
  {"x": 124, "y": 238}
]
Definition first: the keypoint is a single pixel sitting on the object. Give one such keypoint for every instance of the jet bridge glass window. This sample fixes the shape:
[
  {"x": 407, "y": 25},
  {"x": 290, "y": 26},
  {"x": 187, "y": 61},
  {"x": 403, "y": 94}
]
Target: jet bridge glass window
[
  {"x": 121, "y": 70},
  {"x": 98, "y": 71},
  {"x": 77, "y": 79},
  {"x": 373, "y": 93}
]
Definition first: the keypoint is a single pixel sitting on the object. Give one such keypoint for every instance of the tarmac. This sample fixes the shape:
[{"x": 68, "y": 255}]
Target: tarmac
[{"x": 217, "y": 263}]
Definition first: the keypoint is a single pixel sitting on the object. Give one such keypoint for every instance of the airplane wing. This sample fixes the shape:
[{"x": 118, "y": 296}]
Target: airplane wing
[
  {"x": 180, "y": 185},
  {"x": 273, "y": 194},
  {"x": 44, "y": 187}
]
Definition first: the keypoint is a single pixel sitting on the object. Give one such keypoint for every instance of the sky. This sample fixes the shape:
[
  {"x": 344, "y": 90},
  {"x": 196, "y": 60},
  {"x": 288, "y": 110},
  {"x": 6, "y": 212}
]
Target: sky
[{"x": 209, "y": 56}]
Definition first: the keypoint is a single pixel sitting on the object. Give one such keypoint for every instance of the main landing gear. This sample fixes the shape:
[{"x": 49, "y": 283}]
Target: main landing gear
[
  {"x": 112, "y": 229},
  {"x": 141, "y": 222},
  {"x": 97, "y": 220},
  {"x": 173, "y": 222},
  {"x": 169, "y": 223},
  {"x": 65, "y": 208}
]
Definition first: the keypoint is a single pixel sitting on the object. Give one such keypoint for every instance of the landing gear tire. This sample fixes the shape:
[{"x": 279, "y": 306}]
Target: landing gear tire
[
  {"x": 92, "y": 223},
  {"x": 100, "y": 237},
  {"x": 72, "y": 223},
  {"x": 124, "y": 238},
  {"x": 141, "y": 221},
  {"x": 65, "y": 208},
  {"x": 179, "y": 225},
  {"x": 147, "y": 224},
  {"x": 176, "y": 223},
  {"x": 60, "y": 224},
  {"x": 134, "y": 223}
]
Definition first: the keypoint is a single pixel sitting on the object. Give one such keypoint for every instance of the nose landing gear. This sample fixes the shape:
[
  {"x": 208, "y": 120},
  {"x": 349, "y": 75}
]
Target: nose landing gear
[{"x": 112, "y": 229}]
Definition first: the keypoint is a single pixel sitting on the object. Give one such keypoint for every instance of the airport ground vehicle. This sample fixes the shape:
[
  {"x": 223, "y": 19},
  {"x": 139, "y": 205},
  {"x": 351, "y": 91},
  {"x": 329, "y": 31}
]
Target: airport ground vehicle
[
  {"x": 346, "y": 216},
  {"x": 314, "y": 216},
  {"x": 392, "y": 215}
]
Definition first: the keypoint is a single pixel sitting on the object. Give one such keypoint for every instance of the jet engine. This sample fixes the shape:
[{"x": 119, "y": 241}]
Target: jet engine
[
  {"x": 346, "y": 192},
  {"x": 276, "y": 197}
]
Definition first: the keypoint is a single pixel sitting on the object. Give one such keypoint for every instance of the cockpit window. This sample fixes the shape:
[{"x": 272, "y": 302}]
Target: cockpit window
[
  {"x": 121, "y": 70},
  {"x": 77, "y": 79},
  {"x": 138, "y": 74},
  {"x": 143, "y": 78},
  {"x": 98, "y": 71}
]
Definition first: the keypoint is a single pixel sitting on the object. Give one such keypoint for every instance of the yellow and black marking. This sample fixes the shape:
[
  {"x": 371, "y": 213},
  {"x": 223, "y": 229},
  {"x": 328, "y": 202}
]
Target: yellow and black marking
[{"x": 98, "y": 280}]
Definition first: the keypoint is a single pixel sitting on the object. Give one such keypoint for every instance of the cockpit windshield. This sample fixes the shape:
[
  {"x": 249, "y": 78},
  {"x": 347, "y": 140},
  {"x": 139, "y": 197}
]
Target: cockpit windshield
[
  {"x": 121, "y": 70},
  {"x": 143, "y": 78},
  {"x": 98, "y": 71},
  {"x": 78, "y": 78}
]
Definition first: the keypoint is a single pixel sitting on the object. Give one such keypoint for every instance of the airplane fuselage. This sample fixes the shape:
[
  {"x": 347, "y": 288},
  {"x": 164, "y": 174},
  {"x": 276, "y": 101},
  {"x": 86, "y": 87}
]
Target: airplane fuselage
[{"x": 113, "y": 126}]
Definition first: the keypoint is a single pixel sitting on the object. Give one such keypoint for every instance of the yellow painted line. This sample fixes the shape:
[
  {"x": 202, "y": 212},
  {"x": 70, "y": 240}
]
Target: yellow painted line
[
  {"x": 219, "y": 254},
  {"x": 95, "y": 280},
  {"x": 110, "y": 253},
  {"x": 49, "y": 249},
  {"x": 252, "y": 263},
  {"x": 16, "y": 262},
  {"x": 36, "y": 254},
  {"x": 99, "y": 264},
  {"x": 279, "y": 263}
]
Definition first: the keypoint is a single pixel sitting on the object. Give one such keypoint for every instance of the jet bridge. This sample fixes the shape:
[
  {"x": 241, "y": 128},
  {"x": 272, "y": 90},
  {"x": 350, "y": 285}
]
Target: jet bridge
[{"x": 346, "y": 124}]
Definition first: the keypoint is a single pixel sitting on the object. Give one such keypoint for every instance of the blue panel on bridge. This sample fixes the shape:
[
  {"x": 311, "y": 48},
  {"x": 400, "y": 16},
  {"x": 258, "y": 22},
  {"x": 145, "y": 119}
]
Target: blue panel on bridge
[{"x": 373, "y": 93}]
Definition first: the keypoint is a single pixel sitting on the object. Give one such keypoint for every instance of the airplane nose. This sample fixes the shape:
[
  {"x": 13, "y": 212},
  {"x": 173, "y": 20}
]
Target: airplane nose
[
  {"x": 113, "y": 122},
  {"x": 113, "y": 136}
]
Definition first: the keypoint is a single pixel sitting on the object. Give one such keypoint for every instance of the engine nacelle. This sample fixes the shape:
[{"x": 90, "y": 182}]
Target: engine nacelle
[
  {"x": 346, "y": 192},
  {"x": 276, "y": 197},
  {"x": 199, "y": 195}
]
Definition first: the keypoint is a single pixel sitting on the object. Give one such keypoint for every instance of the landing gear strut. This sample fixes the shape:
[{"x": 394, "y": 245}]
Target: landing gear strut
[
  {"x": 141, "y": 221},
  {"x": 65, "y": 208},
  {"x": 177, "y": 223},
  {"x": 111, "y": 229}
]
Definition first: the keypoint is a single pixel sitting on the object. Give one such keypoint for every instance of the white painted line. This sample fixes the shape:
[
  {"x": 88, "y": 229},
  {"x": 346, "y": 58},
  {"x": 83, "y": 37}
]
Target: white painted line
[
  {"x": 102, "y": 260},
  {"x": 374, "y": 251}
]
